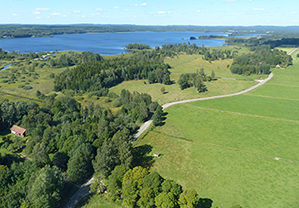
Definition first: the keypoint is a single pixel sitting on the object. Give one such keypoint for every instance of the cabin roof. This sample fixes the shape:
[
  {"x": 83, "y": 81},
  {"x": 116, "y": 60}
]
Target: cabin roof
[{"x": 18, "y": 129}]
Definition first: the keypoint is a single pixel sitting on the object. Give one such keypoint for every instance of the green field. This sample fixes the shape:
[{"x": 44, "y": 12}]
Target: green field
[
  {"x": 226, "y": 81},
  {"x": 241, "y": 149}
]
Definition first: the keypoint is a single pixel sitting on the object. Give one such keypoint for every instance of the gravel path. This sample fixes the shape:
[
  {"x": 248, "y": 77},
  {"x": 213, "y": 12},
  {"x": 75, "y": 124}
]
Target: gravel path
[
  {"x": 148, "y": 123},
  {"x": 82, "y": 192}
]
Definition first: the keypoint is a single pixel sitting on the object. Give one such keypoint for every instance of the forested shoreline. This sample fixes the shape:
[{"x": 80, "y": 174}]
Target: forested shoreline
[{"x": 23, "y": 31}]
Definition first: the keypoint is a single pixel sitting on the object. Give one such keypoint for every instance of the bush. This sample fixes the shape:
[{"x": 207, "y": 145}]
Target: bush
[
  {"x": 21, "y": 86},
  {"x": 94, "y": 97},
  {"x": 27, "y": 88},
  {"x": 112, "y": 95},
  {"x": 116, "y": 103},
  {"x": 107, "y": 100},
  {"x": 4, "y": 81}
]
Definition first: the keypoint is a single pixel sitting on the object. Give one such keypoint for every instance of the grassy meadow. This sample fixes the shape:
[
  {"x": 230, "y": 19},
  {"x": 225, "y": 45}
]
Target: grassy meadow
[
  {"x": 240, "y": 149},
  {"x": 30, "y": 74},
  {"x": 226, "y": 81}
]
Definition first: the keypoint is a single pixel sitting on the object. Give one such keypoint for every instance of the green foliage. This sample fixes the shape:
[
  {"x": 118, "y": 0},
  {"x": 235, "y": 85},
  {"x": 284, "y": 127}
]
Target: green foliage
[
  {"x": 166, "y": 200},
  {"x": 93, "y": 76},
  {"x": 188, "y": 199},
  {"x": 46, "y": 188},
  {"x": 192, "y": 79},
  {"x": 138, "y": 46},
  {"x": 40, "y": 155},
  {"x": 260, "y": 60},
  {"x": 79, "y": 165},
  {"x": 171, "y": 186},
  {"x": 157, "y": 117},
  {"x": 115, "y": 181}
]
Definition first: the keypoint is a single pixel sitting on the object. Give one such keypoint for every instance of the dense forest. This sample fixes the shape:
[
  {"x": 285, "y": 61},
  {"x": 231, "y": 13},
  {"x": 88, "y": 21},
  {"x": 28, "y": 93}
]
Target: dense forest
[
  {"x": 65, "y": 138},
  {"x": 93, "y": 76},
  {"x": 260, "y": 60},
  {"x": 21, "y": 31}
]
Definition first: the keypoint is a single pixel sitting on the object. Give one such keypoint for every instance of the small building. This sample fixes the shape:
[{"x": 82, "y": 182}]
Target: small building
[
  {"x": 277, "y": 66},
  {"x": 17, "y": 130}
]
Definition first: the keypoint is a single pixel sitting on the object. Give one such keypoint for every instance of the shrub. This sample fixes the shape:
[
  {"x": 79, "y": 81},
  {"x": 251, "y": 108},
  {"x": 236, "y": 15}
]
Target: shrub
[
  {"x": 107, "y": 100},
  {"x": 116, "y": 103},
  {"x": 21, "y": 86},
  {"x": 27, "y": 88}
]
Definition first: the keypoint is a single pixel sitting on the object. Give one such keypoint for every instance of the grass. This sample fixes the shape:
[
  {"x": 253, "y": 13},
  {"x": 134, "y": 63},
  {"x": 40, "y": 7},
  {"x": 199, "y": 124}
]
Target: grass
[
  {"x": 240, "y": 149},
  {"x": 39, "y": 79},
  {"x": 226, "y": 81},
  {"x": 97, "y": 201}
]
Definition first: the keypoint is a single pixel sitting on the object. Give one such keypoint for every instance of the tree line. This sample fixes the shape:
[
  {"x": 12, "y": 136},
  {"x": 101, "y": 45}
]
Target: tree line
[
  {"x": 260, "y": 60},
  {"x": 93, "y": 76}
]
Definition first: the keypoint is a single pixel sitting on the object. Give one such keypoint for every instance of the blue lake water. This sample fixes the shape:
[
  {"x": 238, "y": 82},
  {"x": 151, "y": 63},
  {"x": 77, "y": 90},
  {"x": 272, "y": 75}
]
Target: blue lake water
[
  {"x": 5, "y": 67},
  {"x": 104, "y": 43}
]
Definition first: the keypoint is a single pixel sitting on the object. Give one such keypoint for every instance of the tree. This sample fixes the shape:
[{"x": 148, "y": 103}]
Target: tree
[
  {"x": 40, "y": 155},
  {"x": 183, "y": 82},
  {"x": 157, "y": 117},
  {"x": 166, "y": 200},
  {"x": 104, "y": 160},
  {"x": 46, "y": 188},
  {"x": 79, "y": 165},
  {"x": 115, "y": 181},
  {"x": 188, "y": 199},
  {"x": 147, "y": 198},
  {"x": 212, "y": 75},
  {"x": 163, "y": 90},
  {"x": 171, "y": 186},
  {"x": 132, "y": 184},
  {"x": 154, "y": 181},
  {"x": 198, "y": 84}
]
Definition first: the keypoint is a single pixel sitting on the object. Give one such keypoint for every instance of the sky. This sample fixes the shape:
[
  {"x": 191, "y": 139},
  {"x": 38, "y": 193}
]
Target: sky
[{"x": 151, "y": 12}]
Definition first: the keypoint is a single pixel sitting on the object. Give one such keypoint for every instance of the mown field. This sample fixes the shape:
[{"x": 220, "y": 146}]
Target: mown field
[{"x": 240, "y": 149}]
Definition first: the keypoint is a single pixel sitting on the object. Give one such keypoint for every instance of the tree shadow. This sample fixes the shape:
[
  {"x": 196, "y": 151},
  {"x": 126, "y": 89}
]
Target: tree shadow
[
  {"x": 205, "y": 203},
  {"x": 4, "y": 132},
  {"x": 163, "y": 118},
  {"x": 141, "y": 157}
]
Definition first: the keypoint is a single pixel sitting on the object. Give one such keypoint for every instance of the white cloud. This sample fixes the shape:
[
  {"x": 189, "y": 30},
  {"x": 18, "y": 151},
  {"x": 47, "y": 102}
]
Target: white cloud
[
  {"x": 99, "y": 9},
  {"x": 293, "y": 12},
  {"x": 199, "y": 11},
  {"x": 42, "y": 9},
  {"x": 229, "y": 1},
  {"x": 84, "y": 16},
  {"x": 258, "y": 9},
  {"x": 38, "y": 17},
  {"x": 35, "y": 12},
  {"x": 116, "y": 7},
  {"x": 77, "y": 11},
  {"x": 128, "y": 10},
  {"x": 63, "y": 15},
  {"x": 55, "y": 14},
  {"x": 143, "y": 4},
  {"x": 15, "y": 14}
]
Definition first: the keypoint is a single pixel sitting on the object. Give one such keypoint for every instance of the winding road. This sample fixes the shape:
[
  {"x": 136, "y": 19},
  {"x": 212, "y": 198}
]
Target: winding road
[
  {"x": 148, "y": 123},
  {"x": 84, "y": 189}
]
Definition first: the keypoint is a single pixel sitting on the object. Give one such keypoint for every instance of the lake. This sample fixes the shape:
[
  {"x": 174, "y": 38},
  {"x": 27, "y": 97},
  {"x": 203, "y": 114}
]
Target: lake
[{"x": 104, "y": 43}]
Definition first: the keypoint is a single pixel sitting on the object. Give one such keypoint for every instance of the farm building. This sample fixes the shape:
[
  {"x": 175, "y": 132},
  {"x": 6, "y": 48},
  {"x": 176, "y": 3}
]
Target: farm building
[{"x": 17, "y": 130}]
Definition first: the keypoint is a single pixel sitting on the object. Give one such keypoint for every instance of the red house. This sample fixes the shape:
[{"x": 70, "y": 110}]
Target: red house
[{"x": 17, "y": 130}]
